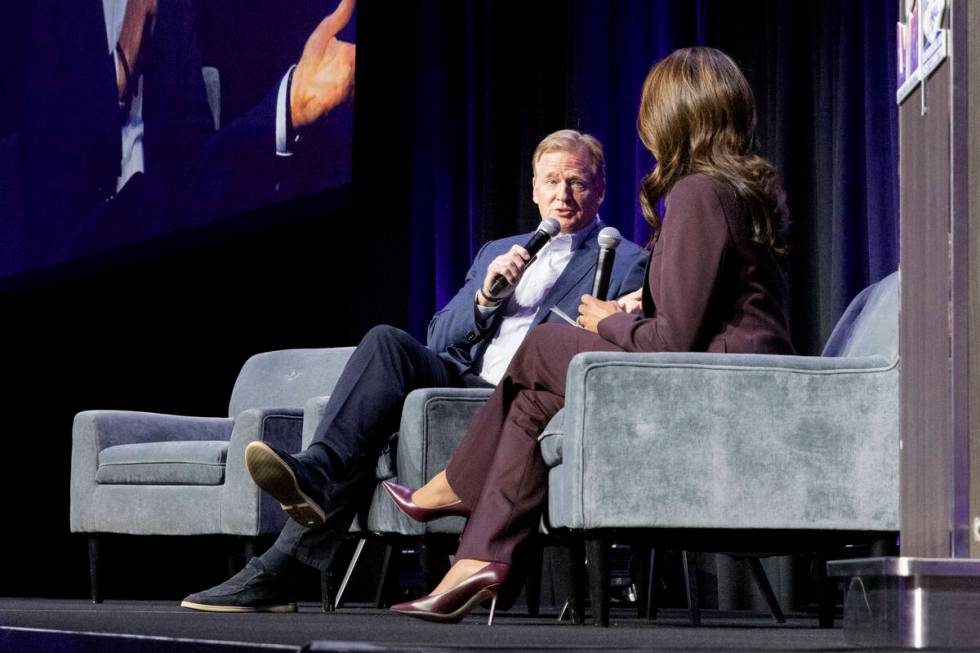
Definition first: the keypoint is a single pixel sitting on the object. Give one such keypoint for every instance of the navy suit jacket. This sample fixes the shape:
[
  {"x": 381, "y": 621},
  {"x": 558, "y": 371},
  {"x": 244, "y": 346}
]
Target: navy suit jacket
[
  {"x": 459, "y": 337},
  {"x": 71, "y": 141}
]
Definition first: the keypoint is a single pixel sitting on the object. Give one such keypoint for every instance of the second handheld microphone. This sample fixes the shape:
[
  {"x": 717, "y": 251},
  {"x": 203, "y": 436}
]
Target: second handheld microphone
[{"x": 609, "y": 239}]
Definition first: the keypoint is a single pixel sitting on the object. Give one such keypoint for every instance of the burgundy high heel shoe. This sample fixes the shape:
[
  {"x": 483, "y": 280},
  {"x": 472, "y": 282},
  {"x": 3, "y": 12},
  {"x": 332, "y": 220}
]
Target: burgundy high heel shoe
[
  {"x": 451, "y": 606},
  {"x": 402, "y": 496}
]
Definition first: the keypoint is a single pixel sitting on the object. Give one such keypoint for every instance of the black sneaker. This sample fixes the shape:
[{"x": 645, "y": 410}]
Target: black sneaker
[
  {"x": 294, "y": 483},
  {"x": 253, "y": 589}
]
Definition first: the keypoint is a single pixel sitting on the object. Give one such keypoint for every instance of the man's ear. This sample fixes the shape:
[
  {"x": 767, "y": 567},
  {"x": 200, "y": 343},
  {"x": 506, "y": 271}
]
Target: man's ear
[
  {"x": 602, "y": 191},
  {"x": 534, "y": 189}
]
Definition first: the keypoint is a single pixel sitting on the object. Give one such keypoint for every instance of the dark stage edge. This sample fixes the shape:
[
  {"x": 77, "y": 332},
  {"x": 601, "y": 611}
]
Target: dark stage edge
[{"x": 35, "y": 625}]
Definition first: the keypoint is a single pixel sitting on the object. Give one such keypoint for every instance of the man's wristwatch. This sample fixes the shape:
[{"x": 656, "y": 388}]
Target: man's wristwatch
[{"x": 491, "y": 302}]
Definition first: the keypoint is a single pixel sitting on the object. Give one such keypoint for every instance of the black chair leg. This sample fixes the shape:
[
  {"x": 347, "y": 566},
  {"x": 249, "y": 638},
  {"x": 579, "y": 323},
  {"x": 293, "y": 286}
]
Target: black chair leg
[
  {"x": 570, "y": 574},
  {"x": 94, "y": 572},
  {"x": 883, "y": 547},
  {"x": 762, "y": 582},
  {"x": 326, "y": 594},
  {"x": 383, "y": 580},
  {"x": 433, "y": 561},
  {"x": 237, "y": 561},
  {"x": 826, "y": 592},
  {"x": 597, "y": 566},
  {"x": 641, "y": 578},
  {"x": 532, "y": 586},
  {"x": 250, "y": 547},
  {"x": 654, "y": 582},
  {"x": 691, "y": 579}
]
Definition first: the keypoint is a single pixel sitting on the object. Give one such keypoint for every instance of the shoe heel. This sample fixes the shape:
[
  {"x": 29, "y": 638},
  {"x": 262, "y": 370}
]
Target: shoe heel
[{"x": 493, "y": 607}]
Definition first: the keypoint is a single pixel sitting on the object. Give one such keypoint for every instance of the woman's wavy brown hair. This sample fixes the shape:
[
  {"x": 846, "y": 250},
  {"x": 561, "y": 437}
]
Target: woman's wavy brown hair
[{"x": 697, "y": 114}]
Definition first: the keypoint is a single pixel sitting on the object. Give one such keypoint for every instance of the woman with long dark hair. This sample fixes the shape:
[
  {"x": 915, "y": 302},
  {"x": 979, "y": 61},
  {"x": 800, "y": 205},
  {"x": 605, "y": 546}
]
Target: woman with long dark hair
[{"x": 713, "y": 284}]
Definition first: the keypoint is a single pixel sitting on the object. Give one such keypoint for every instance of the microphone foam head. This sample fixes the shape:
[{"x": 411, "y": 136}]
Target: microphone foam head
[
  {"x": 609, "y": 238},
  {"x": 550, "y": 226}
]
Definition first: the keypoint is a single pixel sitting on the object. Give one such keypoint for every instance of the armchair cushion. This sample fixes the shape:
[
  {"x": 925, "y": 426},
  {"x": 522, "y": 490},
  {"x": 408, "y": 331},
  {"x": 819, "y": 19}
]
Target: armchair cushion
[{"x": 164, "y": 463}]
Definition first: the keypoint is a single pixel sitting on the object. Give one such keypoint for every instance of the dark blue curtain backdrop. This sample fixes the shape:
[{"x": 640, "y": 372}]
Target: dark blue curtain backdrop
[{"x": 473, "y": 86}]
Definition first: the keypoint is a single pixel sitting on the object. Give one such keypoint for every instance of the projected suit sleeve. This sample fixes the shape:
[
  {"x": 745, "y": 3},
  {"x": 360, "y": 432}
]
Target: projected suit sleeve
[{"x": 70, "y": 139}]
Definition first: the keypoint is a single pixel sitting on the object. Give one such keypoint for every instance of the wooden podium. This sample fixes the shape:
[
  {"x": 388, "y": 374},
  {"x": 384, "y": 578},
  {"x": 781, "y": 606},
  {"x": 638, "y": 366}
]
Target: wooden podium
[{"x": 930, "y": 596}]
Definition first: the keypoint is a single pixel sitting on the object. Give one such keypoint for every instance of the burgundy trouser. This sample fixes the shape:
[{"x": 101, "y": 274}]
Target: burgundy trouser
[{"x": 497, "y": 470}]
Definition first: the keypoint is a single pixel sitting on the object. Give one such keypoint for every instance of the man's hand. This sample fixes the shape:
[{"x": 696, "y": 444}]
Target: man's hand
[
  {"x": 139, "y": 20},
  {"x": 510, "y": 266},
  {"x": 324, "y": 77},
  {"x": 631, "y": 303},
  {"x": 592, "y": 311}
]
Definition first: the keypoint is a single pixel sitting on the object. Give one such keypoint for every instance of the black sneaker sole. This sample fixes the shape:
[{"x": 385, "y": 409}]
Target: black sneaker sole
[
  {"x": 275, "y": 476},
  {"x": 204, "y": 607}
]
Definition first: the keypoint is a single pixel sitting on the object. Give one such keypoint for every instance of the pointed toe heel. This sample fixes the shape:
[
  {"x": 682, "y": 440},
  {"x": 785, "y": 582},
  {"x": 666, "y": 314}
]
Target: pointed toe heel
[
  {"x": 402, "y": 496},
  {"x": 451, "y": 606}
]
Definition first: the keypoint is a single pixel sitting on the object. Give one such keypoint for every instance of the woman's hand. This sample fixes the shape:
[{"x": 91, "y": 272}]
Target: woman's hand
[
  {"x": 592, "y": 310},
  {"x": 631, "y": 303}
]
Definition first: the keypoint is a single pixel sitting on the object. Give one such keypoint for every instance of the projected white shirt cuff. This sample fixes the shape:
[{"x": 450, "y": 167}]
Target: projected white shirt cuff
[{"x": 282, "y": 108}]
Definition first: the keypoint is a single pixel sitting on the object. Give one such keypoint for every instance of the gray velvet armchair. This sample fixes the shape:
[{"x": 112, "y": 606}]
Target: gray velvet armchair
[
  {"x": 143, "y": 473},
  {"x": 724, "y": 452}
]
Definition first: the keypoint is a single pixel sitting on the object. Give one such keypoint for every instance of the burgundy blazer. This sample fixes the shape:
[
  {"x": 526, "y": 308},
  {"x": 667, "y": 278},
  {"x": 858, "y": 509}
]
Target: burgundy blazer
[{"x": 708, "y": 286}]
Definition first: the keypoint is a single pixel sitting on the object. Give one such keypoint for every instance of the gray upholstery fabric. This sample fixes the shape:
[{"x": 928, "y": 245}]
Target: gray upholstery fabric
[
  {"x": 287, "y": 378},
  {"x": 267, "y": 404},
  {"x": 551, "y": 439},
  {"x": 726, "y": 441},
  {"x": 736, "y": 441},
  {"x": 869, "y": 326},
  {"x": 703, "y": 440},
  {"x": 164, "y": 463},
  {"x": 433, "y": 423},
  {"x": 246, "y": 510},
  {"x": 313, "y": 412}
]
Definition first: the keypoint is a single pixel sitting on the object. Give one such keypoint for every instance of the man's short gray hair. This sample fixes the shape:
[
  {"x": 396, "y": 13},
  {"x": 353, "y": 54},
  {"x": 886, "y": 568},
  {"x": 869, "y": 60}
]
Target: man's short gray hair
[{"x": 569, "y": 140}]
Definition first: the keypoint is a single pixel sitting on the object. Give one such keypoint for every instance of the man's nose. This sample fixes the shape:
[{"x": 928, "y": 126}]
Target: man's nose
[{"x": 564, "y": 190}]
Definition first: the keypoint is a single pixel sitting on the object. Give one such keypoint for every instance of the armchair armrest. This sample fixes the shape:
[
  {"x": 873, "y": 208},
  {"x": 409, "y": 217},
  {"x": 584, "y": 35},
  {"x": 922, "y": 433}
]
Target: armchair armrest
[
  {"x": 313, "y": 412},
  {"x": 728, "y": 441},
  {"x": 107, "y": 428},
  {"x": 95, "y": 430},
  {"x": 434, "y": 421},
  {"x": 281, "y": 428}
]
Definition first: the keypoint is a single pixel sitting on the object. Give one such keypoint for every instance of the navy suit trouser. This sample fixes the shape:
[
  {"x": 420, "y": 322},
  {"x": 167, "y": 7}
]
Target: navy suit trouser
[{"x": 362, "y": 413}]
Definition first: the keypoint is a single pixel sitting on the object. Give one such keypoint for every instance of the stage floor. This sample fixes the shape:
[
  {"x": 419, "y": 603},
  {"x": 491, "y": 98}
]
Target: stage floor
[{"x": 27, "y": 625}]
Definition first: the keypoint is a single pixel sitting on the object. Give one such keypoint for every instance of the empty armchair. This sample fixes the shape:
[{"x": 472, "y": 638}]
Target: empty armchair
[{"x": 144, "y": 473}]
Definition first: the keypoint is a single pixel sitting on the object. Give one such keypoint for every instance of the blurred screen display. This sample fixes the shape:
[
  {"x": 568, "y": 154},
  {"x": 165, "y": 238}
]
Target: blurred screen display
[{"x": 203, "y": 124}]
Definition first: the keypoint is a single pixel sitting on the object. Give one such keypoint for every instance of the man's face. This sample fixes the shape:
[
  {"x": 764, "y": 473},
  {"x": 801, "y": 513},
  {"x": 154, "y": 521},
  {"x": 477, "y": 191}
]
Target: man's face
[{"x": 564, "y": 188}]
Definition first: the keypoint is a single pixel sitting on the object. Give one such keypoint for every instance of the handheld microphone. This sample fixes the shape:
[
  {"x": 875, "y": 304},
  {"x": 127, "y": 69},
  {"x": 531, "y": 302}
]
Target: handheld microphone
[
  {"x": 547, "y": 230},
  {"x": 609, "y": 239}
]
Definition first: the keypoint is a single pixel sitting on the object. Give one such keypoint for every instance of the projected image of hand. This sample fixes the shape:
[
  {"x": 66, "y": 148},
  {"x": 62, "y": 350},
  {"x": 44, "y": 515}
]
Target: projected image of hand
[{"x": 324, "y": 77}]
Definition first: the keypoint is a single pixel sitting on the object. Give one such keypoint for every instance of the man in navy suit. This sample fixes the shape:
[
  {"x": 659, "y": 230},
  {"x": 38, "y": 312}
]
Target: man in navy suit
[
  {"x": 117, "y": 139},
  {"x": 470, "y": 343}
]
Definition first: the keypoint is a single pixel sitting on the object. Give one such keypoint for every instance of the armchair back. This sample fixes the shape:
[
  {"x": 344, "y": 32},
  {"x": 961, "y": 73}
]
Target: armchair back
[
  {"x": 287, "y": 378},
  {"x": 869, "y": 326}
]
